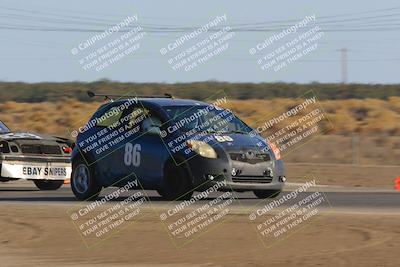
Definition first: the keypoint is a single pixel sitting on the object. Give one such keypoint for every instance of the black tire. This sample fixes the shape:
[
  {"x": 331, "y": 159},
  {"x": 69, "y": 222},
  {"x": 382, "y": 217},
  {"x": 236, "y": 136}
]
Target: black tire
[
  {"x": 4, "y": 180},
  {"x": 48, "y": 185},
  {"x": 262, "y": 194},
  {"x": 84, "y": 185},
  {"x": 176, "y": 183}
]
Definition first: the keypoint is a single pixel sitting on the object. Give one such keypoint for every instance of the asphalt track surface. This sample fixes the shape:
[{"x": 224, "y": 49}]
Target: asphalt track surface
[{"x": 377, "y": 200}]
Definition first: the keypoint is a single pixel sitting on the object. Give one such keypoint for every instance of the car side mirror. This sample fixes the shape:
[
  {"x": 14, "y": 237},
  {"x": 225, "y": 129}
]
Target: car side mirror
[{"x": 154, "y": 130}]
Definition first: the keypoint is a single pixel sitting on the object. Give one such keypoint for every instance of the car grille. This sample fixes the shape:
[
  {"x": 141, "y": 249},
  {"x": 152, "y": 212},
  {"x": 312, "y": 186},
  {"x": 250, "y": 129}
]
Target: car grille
[
  {"x": 254, "y": 159},
  {"x": 252, "y": 179},
  {"x": 41, "y": 149}
]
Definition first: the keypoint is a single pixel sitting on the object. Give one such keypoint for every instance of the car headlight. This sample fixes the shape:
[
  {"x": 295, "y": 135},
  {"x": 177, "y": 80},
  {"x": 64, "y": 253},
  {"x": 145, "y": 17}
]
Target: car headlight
[
  {"x": 202, "y": 148},
  {"x": 275, "y": 150}
]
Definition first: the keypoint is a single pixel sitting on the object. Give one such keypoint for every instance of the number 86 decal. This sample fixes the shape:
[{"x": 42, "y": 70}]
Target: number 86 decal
[{"x": 132, "y": 154}]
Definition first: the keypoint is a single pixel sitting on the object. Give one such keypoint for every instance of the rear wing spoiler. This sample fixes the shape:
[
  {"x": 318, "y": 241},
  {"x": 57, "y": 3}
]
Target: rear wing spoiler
[{"x": 110, "y": 96}]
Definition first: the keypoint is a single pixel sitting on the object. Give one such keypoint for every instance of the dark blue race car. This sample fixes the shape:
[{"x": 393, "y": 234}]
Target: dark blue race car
[{"x": 174, "y": 146}]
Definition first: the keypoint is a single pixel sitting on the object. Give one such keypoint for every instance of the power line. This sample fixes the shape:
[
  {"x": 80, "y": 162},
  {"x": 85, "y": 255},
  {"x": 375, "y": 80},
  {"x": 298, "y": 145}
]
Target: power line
[{"x": 239, "y": 27}]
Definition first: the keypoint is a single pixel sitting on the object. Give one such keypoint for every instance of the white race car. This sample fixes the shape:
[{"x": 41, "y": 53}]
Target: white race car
[{"x": 45, "y": 160}]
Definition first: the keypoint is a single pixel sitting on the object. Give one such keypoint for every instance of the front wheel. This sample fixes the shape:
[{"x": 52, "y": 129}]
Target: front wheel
[
  {"x": 48, "y": 185},
  {"x": 83, "y": 184},
  {"x": 266, "y": 193},
  {"x": 176, "y": 184}
]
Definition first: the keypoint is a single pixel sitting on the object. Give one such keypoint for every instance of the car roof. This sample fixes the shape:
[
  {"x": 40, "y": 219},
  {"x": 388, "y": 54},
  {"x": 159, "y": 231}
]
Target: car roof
[{"x": 164, "y": 102}]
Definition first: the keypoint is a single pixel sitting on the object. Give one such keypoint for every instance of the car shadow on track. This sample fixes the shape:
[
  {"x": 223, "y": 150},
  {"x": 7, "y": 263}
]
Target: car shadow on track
[{"x": 72, "y": 199}]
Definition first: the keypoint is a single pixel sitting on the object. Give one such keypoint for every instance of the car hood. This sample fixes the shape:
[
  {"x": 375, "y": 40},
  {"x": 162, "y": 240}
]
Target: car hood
[
  {"x": 16, "y": 136},
  {"x": 234, "y": 141}
]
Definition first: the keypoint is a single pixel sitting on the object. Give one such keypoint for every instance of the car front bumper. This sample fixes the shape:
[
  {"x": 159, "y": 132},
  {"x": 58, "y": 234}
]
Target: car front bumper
[
  {"x": 209, "y": 172},
  {"x": 232, "y": 186},
  {"x": 35, "y": 168}
]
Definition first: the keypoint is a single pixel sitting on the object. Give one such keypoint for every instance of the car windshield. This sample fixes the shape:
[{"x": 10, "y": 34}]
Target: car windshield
[
  {"x": 207, "y": 118},
  {"x": 3, "y": 128}
]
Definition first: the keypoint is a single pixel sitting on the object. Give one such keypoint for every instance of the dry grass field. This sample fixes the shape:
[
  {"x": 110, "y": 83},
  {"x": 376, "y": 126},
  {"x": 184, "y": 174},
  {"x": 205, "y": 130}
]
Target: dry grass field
[{"x": 366, "y": 117}]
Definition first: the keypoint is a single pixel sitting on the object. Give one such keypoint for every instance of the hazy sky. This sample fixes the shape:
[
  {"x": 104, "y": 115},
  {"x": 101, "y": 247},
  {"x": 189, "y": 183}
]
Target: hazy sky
[{"x": 36, "y": 38}]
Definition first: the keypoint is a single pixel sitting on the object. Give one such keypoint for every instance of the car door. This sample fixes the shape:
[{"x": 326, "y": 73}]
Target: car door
[
  {"x": 109, "y": 165},
  {"x": 147, "y": 154},
  {"x": 141, "y": 153}
]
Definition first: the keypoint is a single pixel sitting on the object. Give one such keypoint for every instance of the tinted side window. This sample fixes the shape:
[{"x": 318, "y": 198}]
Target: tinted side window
[
  {"x": 109, "y": 117},
  {"x": 137, "y": 116},
  {"x": 148, "y": 121}
]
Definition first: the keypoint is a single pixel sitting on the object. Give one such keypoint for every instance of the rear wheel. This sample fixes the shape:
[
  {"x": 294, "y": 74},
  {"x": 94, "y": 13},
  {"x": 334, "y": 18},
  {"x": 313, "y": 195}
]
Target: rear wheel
[
  {"x": 83, "y": 184},
  {"x": 48, "y": 185},
  {"x": 266, "y": 193},
  {"x": 176, "y": 183}
]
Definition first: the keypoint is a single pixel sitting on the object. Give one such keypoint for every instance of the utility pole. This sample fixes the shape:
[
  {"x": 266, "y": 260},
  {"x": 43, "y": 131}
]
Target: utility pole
[{"x": 344, "y": 65}]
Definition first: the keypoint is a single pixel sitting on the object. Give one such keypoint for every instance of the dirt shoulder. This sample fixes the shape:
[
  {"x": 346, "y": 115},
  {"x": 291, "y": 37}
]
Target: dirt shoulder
[{"x": 344, "y": 175}]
